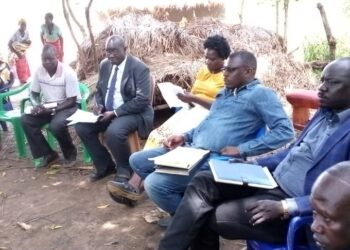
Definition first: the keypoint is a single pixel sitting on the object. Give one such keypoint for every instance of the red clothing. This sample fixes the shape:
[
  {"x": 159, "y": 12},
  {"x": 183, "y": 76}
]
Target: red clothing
[{"x": 22, "y": 68}]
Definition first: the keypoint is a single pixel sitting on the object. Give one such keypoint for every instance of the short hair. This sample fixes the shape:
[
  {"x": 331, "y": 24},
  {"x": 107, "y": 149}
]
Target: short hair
[
  {"x": 247, "y": 58},
  {"x": 219, "y": 44},
  {"x": 49, "y": 15},
  {"x": 22, "y": 21},
  {"x": 341, "y": 171},
  {"x": 48, "y": 49},
  {"x": 116, "y": 38}
]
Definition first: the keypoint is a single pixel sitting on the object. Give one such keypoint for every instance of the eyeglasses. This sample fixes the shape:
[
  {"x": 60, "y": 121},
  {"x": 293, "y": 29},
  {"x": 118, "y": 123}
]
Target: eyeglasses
[
  {"x": 230, "y": 69},
  {"x": 113, "y": 51}
]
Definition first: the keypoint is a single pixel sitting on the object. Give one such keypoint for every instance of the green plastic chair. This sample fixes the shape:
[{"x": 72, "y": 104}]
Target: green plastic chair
[
  {"x": 14, "y": 117},
  {"x": 85, "y": 92}
]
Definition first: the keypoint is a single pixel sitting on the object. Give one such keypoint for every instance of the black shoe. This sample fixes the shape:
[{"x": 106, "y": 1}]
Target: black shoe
[
  {"x": 95, "y": 176},
  {"x": 49, "y": 160},
  {"x": 123, "y": 189},
  {"x": 69, "y": 162},
  {"x": 165, "y": 222},
  {"x": 122, "y": 200}
]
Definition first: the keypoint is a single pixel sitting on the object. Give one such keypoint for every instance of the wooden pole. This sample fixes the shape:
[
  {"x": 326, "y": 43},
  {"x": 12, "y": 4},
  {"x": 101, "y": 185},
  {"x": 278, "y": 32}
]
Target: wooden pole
[{"x": 332, "y": 43}]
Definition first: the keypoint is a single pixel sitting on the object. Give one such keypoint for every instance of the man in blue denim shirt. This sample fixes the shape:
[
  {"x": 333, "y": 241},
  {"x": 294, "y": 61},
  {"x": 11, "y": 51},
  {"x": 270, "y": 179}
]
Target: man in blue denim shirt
[
  {"x": 210, "y": 209},
  {"x": 238, "y": 112}
]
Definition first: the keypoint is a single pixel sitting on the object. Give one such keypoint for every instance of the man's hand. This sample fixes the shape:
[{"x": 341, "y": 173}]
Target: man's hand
[
  {"x": 97, "y": 109},
  {"x": 40, "y": 110},
  {"x": 173, "y": 141},
  {"x": 264, "y": 210},
  {"x": 230, "y": 151},
  {"x": 185, "y": 97},
  {"x": 107, "y": 116}
]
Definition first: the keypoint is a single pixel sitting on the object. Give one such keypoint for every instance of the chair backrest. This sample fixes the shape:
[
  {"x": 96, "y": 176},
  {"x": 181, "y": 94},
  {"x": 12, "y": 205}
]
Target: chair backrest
[
  {"x": 293, "y": 240},
  {"x": 302, "y": 101},
  {"x": 11, "y": 92},
  {"x": 85, "y": 92}
]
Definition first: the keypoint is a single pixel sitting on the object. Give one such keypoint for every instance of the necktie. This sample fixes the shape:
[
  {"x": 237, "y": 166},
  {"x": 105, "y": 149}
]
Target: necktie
[{"x": 111, "y": 90}]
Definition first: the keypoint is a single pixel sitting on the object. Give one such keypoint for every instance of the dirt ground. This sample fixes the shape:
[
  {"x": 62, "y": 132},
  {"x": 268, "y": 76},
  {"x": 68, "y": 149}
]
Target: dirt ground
[{"x": 61, "y": 209}]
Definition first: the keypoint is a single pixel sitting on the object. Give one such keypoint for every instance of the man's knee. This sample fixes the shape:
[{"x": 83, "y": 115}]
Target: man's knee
[
  {"x": 115, "y": 135},
  {"x": 81, "y": 129},
  {"x": 202, "y": 177},
  {"x": 57, "y": 127},
  {"x": 136, "y": 160}
]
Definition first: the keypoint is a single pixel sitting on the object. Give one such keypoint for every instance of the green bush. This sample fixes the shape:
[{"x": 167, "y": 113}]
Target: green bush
[{"x": 319, "y": 50}]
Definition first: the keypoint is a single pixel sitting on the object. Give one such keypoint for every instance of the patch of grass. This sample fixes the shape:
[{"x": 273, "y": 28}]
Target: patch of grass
[{"x": 319, "y": 50}]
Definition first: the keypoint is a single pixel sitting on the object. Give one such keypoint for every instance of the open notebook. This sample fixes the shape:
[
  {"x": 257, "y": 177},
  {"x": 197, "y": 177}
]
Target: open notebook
[
  {"x": 241, "y": 174},
  {"x": 180, "y": 160}
]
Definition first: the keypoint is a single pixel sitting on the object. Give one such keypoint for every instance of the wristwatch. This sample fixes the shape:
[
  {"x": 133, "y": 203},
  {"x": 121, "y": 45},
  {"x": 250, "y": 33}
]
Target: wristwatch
[{"x": 285, "y": 214}]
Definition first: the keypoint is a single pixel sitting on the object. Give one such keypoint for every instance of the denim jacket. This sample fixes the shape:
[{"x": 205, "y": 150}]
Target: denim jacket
[{"x": 236, "y": 116}]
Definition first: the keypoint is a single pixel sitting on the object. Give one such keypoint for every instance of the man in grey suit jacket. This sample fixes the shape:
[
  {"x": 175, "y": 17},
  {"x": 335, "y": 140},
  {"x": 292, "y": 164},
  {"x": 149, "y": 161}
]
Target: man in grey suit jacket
[{"x": 123, "y": 98}]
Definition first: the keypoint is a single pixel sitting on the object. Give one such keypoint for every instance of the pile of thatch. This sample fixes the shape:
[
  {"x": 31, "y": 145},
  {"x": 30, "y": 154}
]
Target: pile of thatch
[{"x": 174, "y": 51}]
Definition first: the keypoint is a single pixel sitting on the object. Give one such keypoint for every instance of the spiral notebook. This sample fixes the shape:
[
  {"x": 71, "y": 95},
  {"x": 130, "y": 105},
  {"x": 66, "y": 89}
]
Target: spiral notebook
[{"x": 242, "y": 174}]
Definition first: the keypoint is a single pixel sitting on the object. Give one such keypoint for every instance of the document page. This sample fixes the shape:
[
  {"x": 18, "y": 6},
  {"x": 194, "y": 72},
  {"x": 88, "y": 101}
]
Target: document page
[
  {"x": 169, "y": 92},
  {"x": 82, "y": 116}
]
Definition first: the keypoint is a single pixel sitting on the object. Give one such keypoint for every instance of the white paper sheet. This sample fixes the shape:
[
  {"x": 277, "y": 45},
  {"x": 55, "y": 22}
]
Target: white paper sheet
[
  {"x": 169, "y": 92},
  {"x": 83, "y": 116}
]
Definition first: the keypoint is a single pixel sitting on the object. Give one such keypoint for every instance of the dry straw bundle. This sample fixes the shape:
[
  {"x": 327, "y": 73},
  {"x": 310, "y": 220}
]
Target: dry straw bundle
[{"x": 175, "y": 52}]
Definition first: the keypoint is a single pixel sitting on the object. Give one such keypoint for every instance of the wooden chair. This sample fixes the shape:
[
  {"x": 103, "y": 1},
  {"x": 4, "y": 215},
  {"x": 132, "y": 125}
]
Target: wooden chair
[{"x": 302, "y": 101}]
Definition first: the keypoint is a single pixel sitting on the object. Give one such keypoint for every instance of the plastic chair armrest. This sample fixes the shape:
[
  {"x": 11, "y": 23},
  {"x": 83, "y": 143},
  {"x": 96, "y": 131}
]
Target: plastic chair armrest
[{"x": 295, "y": 224}]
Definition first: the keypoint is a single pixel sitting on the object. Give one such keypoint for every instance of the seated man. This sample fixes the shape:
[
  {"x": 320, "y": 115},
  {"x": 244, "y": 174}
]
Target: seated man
[
  {"x": 242, "y": 108},
  {"x": 330, "y": 201},
  {"x": 209, "y": 209},
  {"x": 55, "y": 83},
  {"x": 123, "y": 97}
]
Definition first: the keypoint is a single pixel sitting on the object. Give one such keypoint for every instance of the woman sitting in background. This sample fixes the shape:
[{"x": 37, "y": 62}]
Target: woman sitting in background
[
  {"x": 18, "y": 45},
  {"x": 209, "y": 81}
]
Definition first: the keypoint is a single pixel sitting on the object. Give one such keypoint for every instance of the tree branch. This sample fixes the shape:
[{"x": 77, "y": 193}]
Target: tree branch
[
  {"x": 332, "y": 43},
  {"x": 92, "y": 39},
  {"x": 81, "y": 27}
]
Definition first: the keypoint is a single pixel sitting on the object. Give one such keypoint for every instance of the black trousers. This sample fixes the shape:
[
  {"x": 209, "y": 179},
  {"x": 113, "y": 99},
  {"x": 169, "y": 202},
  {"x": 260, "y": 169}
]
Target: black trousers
[
  {"x": 57, "y": 125},
  {"x": 116, "y": 134},
  {"x": 210, "y": 209}
]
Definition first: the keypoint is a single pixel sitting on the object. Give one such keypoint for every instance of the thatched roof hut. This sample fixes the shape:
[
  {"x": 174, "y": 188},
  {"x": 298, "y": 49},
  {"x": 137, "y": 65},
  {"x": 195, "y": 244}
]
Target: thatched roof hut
[{"x": 174, "y": 51}]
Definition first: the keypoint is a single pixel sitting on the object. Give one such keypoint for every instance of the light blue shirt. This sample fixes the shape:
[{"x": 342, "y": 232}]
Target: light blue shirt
[
  {"x": 236, "y": 116},
  {"x": 290, "y": 174}
]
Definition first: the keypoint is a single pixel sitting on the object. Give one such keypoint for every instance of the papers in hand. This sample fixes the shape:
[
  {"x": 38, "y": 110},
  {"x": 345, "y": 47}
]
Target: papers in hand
[
  {"x": 180, "y": 160},
  {"x": 241, "y": 174},
  {"x": 82, "y": 116},
  {"x": 169, "y": 92}
]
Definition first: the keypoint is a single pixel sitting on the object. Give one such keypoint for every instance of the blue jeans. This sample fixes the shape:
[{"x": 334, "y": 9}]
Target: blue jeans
[{"x": 165, "y": 190}]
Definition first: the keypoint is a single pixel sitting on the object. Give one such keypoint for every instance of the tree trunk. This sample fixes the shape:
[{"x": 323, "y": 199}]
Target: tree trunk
[
  {"x": 240, "y": 14},
  {"x": 277, "y": 16},
  {"x": 332, "y": 43},
  {"x": 285, "y": 32},
  {"x": 81, "y": 27},
  {"x": 92, "y": 39},
  {"x": 66, "y": 16}
]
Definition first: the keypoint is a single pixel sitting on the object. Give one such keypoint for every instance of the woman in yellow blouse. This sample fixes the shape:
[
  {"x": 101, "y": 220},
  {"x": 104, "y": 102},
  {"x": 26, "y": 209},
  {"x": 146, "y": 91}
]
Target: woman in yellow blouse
[
  {"x": 209, "y": 81},
  {"x": 210, "y": 78}
]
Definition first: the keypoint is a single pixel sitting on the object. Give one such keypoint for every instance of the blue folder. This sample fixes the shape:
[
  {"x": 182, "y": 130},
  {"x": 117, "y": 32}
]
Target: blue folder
[{"x": 241, "y": 174}]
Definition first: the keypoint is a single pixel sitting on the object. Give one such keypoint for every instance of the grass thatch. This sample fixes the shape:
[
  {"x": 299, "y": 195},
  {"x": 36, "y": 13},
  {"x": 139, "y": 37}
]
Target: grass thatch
[{"x": 174, "y": 51}]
